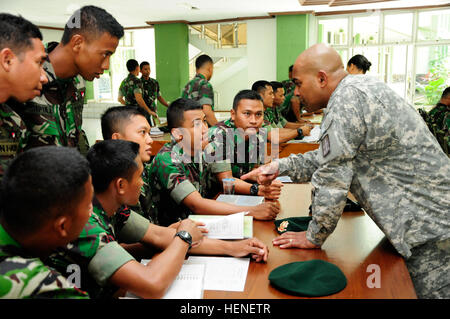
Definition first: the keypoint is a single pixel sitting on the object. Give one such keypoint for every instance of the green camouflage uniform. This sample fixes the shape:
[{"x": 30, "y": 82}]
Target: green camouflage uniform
[
  {"x": 55, "y": 117},
  {"x": 438, "y": 121},
  {"x": 289, "y": 86},
  {"x": 145, "y": 206},
  {"x": 22, "y": 276},
  {"x": 97, "y": 250},
  {"x": 199, "y": 89},
  {"x": 393, "y": 166},
  {"x": 273, "y": 116},
  {"x": 173, "y": 176},
  {"x": 150, "y": 92},
  {"x": 129, "y": 86},
  {"x": 240, "y": 155},
  {"x": 12, "y": 136}
]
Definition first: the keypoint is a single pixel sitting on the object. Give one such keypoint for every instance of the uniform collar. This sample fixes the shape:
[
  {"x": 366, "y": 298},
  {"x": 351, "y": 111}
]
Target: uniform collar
[{"x": 199, "y": 75}]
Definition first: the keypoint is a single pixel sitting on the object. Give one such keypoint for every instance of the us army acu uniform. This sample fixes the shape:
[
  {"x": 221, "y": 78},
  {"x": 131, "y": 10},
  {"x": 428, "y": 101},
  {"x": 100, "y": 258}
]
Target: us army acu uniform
[
  {"x": 12, "y": 136},
  {"x": 199, "y": 89},
  {"x": 129, "y": 86},
  {"x": 23, "y": 276},
  {"x": 438, "y": 121},
  {"x": 97, "y": 250},
  {"x": 55, "y": 117},
  {"x": 231, "y": 148},
  {"x": 173, "y": 176},
  {"x": 376, "y": 145}
]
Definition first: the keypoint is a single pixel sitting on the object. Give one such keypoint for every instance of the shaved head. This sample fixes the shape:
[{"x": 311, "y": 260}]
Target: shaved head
[{"x": 317, "y": 71}]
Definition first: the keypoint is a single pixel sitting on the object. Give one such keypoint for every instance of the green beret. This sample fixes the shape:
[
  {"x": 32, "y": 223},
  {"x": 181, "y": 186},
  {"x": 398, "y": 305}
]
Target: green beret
[
  {"x": 297, "y": 224},
  {"x": 313, "y": 278}
]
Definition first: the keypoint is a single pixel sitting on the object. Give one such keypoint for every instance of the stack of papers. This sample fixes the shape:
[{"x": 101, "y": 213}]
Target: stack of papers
[
  {"x": 155, "y": 132},
  {"x": 241, "y": 200},
  {"x": 222, "y": 273},
  {"x": 187, "y": 285},
  {"x": 206, "y": 273},
  {"x": 235, "y": 226},
  {"x": 284, "y": 179}
]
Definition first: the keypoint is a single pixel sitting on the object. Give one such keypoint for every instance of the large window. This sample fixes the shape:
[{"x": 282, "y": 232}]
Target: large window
[{"x": 409, "y": 50}]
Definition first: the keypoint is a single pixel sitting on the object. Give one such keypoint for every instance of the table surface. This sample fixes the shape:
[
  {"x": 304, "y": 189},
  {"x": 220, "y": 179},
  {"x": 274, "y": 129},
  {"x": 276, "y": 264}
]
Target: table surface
[{"x": 355, "y": 244}]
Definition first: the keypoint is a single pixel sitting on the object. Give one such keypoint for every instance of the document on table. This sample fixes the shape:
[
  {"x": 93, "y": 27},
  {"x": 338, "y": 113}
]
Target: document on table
[
  {"x": 241, "y": 200},
  {"x": 284, "y": 179},
  {"x": 312, "y": 138},
  {"x": 187, "y": 285},
  {"x": 223, "y": 273},
  {"x": 219, "y": 226}
]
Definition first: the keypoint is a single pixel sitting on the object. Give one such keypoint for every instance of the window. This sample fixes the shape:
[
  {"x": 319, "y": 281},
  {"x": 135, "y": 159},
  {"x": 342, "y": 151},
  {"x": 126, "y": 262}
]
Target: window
[{"x": 409, "y": 50}]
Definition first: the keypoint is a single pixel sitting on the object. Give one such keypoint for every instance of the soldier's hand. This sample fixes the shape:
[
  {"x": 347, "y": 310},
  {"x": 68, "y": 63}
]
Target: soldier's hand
[
  {"x": 306, "y": 129},
  {"x": 265, "y": 211},
  {"x": 294, "y": 240},
  {"x": 193, "y": 228},
  {"x": 264, "y": 175},
  {"x": 252, "y": 246},
  {"x": 271, "y": 191}
]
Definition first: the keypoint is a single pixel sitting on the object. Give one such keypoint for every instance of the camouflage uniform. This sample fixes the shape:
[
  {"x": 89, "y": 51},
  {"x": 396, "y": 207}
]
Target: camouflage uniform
[
  {"x": 55, "y": 117},
  {"x": 289, "y": 86},
  {"x": 240, "y": 155},
  {"x": 395, "y": 169},
  {"x": 438, "y": 121},
  {"x": 129, "y": 86},
  {"x": 150, "y": 92},
  {"x": 199, "y": 89},
  {"x": 12, "y": 136},
  {"x": 97, "y": 250},
  {"x": 146, "y": 206},
  {"x": 22, "y": 276},
  {"x": 173, "y": 176},
  {"x": 273, "y": 116}
]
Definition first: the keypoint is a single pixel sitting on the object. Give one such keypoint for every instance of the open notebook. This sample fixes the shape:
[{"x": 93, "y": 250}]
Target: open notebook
[
  {"x": 234, "y": 226},
  {"x": 241, "y": 200}
]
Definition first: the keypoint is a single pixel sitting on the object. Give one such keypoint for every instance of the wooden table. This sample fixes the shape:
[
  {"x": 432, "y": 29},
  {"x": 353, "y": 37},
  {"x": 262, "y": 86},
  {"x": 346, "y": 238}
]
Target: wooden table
[
  {"x": 355, "y": 244},
  {"x": 159, "y": 142}
]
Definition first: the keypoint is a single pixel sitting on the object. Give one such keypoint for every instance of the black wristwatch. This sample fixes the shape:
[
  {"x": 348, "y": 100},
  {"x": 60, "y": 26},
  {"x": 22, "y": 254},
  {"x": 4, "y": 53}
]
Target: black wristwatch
[
  {"x": 185, "y": 236},
  {"x": 300, "y": 134},
  {"x": 254, "y": 189}
]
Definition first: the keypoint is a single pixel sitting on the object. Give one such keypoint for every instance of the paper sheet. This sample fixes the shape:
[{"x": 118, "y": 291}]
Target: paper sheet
[
  {"x": 223, "y": 273},
  {"x": 284, "y": 179},
  {"x": 187, "y": 285},
  {"x": 241, "y": 200},
  {"x": 248, "y": 225},
  {"x": 312, "y": 138}
]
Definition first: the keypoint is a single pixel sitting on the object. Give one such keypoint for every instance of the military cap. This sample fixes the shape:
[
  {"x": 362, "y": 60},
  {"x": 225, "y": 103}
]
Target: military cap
[
  {"x": 292, "y": 224},
  {"x": 313, "y": 278}
]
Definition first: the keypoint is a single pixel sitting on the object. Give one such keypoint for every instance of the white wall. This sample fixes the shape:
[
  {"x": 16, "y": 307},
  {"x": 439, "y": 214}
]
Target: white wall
[
  {"x": 228, "y": 89},
  {"x": 51, "y": 35},
  {"x": 261, "y": 50}
]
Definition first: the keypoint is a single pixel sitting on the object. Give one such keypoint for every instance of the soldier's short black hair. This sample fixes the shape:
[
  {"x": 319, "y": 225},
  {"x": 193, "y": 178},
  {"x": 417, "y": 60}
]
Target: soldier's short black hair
[
  {"x": 446, "y": 93},
  {"x": 361, "y": 62},
  {"x": 276, "y": 85},
  {"x": 112, "y": 159},
  {"x": 115, "y": 116},
  {"x": 16, "y": 33},
  {"x": 40, "y": 184},
  {"x": 176, "y": 109},
  {"x": 291, "y": 68},
  {"x": 91, "y": 22},
  {"x": 143, "y": 63},
  {"x": 260, "y": 86},
  {"x": 245, "y": 95},
  {"x": 132, "y": 64},
  {"x": 202, "y": 60}
]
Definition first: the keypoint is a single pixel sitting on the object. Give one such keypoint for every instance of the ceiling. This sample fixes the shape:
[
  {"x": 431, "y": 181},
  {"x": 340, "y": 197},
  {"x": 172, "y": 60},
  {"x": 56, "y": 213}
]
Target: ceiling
[{"x": 135, "y": 13}]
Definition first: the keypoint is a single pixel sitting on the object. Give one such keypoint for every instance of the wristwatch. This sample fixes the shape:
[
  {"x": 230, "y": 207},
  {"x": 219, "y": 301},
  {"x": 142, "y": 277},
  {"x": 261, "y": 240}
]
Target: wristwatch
[
  {"x": 300, "y": 134},
  {"x": 185, "y": 236},
  {"x": 254, "y": 189}
]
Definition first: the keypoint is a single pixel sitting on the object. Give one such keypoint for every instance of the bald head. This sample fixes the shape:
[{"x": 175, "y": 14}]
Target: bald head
[
  {"x": 319, "y": 57},
  {"x": 317, "y": 72}
]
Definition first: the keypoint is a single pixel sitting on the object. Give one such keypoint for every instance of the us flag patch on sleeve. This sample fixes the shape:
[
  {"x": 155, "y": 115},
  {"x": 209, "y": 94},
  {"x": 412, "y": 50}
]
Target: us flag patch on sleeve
[{"x": 325, "y": 145}]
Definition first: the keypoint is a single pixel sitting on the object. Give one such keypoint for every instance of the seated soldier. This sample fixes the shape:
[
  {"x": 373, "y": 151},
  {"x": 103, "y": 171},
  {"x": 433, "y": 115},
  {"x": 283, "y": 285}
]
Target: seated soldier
[
  {"x": 46, "y": 199},
  {"x": 278, "y": 132},
  {"x": 180, "y": 176},
  {"x": 116, "y": 169},
  {"x": 242, "y": 143},
  {"x": 282, "y": 104}
]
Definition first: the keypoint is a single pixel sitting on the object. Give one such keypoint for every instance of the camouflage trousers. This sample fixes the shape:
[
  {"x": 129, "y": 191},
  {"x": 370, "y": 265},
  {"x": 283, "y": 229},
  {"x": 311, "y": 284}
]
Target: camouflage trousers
[{"x": 429, "y": 267}]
